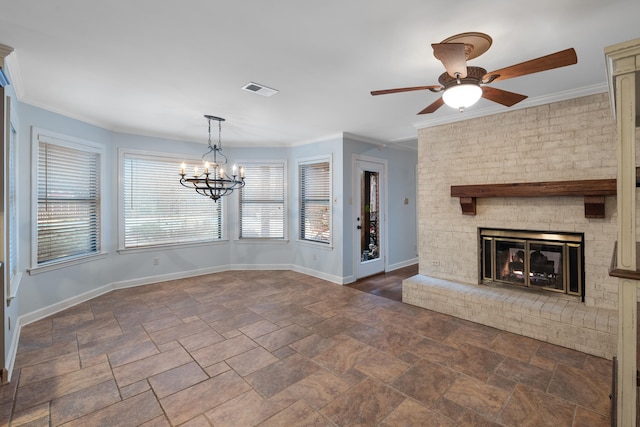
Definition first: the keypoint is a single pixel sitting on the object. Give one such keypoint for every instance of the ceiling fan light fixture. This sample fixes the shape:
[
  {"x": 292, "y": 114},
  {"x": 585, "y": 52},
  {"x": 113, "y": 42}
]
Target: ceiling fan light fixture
[{"x": 461, "y": 96}]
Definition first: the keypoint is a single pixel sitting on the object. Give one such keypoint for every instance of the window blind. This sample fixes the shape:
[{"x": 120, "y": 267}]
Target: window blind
[
  {"x": 262, "y": 202},
  {"x": 315, "y": 202},
  {"x": 158, "y": 210},
  {"x": 68, "y": 182}
]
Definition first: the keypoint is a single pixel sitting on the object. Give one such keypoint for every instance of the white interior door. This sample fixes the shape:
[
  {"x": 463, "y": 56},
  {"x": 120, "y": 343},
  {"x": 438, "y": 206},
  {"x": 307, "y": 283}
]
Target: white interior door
[{"x": 369, "y": 217}]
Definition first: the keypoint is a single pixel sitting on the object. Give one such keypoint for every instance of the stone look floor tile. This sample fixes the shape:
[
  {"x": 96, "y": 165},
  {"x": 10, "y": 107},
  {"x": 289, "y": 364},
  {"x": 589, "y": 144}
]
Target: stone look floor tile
[
  {"x": 382, "y": 366},
  {"x": 523, "y": 373},
  {"x": 200, "y": 340},
  {"x": 482, "y": 398},
  {"x": 182, "y": 330},
  {"x": 344, "y": 356},
  {"x": 574, "y": 385},
  {"x": 133, "y": 411},
  {"x": 297, "y": 414},
  {"x": 587, "y": 418},
  {"x": 474, "y": 334},
  {"x": 276, "y": 377},
  {"x": 176, "y": 379},
  {"x": 425, "y": 382},
  {"x": 514, "y": 346},
  {"x": 366, "y": 404},
  {"x": 279, "y": 348},
  {"x": 150, "y": 366},
  {"x": 34, "y": 416},
  {"x": 410, "y": 413},
  {"x": 83, "y": 402},
  {"x": 191, "y": 402},
  {"x": 561, "y": 355},
  {"x": 531, "y": 407},
  {"x": 48, "y": 369},
  {"x": 44, "y": 354},
  {"x": 318, "y": 389},
  {"x": 474, "y": 361},
  {"x": 218, "y": 352},
  {"x": 259, "y": 328},
  {"x": 132, "y": 353},
  {"x": 251, "y": 361},
  {"x": 51, "y": 388},
  {"x": 281, "y": 337},
  {"x": 248, "y": 409},
  {"x": 95, "y": 348}
]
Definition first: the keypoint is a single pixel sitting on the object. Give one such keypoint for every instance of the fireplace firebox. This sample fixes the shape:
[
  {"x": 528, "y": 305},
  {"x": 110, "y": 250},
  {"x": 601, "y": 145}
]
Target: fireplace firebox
[{"x": 542, "y": 260}]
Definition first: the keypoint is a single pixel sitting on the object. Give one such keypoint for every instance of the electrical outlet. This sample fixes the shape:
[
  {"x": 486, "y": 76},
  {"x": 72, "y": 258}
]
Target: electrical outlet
[
  {"x": 435, "y": 262},
  {"x": 156, "y": 261},
  {"x": 314, "y": 257}
]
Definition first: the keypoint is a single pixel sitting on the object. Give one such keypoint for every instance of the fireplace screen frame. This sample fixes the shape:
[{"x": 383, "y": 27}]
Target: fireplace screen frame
[{"x": 567, "y": 247}]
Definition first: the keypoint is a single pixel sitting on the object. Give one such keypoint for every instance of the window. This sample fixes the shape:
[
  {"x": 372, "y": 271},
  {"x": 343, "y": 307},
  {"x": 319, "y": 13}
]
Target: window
[
  {"x": 262, "y": 202},
  {"x": 315, "y": 201},
  {"x": 158, "y": 210},
  {"x": 68, "y": 204}
]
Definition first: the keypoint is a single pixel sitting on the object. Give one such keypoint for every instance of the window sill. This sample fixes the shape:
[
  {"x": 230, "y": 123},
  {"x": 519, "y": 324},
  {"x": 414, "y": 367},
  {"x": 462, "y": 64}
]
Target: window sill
[{"x": 63, "y": 264}]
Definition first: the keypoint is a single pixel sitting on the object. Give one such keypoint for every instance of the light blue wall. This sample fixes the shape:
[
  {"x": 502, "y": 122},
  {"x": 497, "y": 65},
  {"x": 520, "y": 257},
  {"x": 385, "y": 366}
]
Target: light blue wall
[
  {"x": 323, "y": 260},
  {"x": 39, "y": 292}
]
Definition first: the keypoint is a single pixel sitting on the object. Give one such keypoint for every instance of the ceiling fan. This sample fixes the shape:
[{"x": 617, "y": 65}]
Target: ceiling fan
[{"x": 462, "y": 85}]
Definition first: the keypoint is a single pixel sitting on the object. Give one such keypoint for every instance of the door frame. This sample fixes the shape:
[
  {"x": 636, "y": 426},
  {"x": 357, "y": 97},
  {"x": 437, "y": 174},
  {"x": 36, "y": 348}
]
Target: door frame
[{"x": 355, "y": 212}]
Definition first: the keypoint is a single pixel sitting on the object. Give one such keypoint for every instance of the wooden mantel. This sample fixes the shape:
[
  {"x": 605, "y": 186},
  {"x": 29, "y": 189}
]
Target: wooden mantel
[{"x": 593, "y": 191}]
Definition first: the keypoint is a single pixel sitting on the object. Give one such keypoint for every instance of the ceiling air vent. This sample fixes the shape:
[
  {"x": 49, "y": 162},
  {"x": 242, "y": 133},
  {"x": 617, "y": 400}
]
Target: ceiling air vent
[{"x": 259, "y": 89}]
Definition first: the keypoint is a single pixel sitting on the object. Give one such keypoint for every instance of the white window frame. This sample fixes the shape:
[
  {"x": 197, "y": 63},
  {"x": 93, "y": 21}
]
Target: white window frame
[
  {"x": 271, "y": 162},
  {"x": 171, "y": 158},
  {"x": 308, "y": 161},
  {"x": 42, "y": 135}
]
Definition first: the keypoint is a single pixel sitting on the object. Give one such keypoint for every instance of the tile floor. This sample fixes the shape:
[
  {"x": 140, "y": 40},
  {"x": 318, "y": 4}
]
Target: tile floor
[{"x": 278, "y": 348}]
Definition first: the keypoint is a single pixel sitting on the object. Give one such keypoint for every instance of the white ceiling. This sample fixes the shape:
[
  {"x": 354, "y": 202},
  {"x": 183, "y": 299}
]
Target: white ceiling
[{"x": 155, "y": 67}]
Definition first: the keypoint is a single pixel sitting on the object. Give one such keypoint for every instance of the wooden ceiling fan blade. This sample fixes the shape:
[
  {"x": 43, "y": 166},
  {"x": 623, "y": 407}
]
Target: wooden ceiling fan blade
[
  {"x": 502, "y": 96},
  {"x": 544, "y": 63},
  {"x": 453, "y": 57},
  {"x": 433, "y": 106},
  {"x": 435, "y": 88}
]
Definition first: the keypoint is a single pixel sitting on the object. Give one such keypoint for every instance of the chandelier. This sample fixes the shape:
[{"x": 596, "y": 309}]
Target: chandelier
[{"x": 214, "y": 182}]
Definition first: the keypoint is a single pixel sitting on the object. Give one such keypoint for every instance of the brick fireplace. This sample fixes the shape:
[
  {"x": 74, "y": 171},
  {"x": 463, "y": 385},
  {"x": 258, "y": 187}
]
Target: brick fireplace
[{"x": 563, "y": 141}]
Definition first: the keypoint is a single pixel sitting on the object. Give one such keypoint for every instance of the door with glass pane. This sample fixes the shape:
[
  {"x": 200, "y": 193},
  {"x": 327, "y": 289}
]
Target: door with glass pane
[{"x": 369, "y": 209}]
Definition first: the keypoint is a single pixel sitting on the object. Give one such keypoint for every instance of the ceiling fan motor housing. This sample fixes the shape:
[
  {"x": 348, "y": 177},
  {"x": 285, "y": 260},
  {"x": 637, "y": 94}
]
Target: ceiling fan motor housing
[{"x": 474, "y": 76}]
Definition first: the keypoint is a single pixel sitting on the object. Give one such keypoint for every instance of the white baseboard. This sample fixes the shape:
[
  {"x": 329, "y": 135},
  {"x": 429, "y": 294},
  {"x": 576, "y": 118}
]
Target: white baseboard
[
  {"x": 402, "y": 264},
  {"x": 13, "y": 350},
  {"x": 237, "y": 267},
  {"x": 28, "y": 318},
  {"x": 318, "y": 274},
  {"x": 166, "y": 277}
]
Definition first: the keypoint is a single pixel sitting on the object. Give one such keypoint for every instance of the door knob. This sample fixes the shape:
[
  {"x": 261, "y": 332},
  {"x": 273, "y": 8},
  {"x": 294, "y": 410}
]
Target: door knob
[{"x": 359, "y": 227}]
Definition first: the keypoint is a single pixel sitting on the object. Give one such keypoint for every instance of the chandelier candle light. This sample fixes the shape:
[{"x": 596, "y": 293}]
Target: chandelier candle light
[{"x": 214, "y": 181}]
